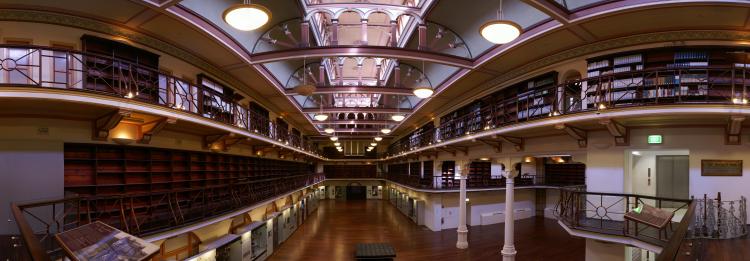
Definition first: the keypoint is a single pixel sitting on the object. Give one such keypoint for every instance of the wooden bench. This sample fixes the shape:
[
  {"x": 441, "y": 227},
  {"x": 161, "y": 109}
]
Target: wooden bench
[{"x": 651, "y": 216}]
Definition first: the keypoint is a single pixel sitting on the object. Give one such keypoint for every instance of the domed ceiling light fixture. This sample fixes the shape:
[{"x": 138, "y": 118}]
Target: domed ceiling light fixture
[
  {"x": 423, "y": 92},
  {"x": 334, "y": 138},
  {"x": 397, "y": 117},
  {"x": 500, "y": 31},
  {"x": 329, "y": 130},
  {"x": 246, "y": 16},
  {"x": 378, "y": 138},
  {"x": 385, "y": 130}
]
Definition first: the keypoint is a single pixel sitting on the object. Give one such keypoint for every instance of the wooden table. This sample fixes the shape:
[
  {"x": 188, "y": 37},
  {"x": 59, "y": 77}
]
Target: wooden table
[
  {"x": 374, "y": 251},
  {"x": 99, "y": 241},
  {"x": 649, "y": 215}
]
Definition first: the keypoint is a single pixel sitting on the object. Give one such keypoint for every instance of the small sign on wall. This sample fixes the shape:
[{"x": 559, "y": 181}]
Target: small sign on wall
[{"x": 721, "y": 167}]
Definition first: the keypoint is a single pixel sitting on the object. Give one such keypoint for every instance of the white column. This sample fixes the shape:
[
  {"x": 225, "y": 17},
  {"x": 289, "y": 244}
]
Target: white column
[
  {"x": 463, "y": 231},
  {"x": 509, "y": 250}
]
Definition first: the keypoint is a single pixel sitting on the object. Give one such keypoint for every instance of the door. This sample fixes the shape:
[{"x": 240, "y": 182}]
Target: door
[
  {"x": 672, "y": 177},
  {"x": 356, "y": 192}
]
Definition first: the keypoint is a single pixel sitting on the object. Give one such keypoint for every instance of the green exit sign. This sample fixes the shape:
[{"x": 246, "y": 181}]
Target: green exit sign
[{"x": 654, "y": 139}]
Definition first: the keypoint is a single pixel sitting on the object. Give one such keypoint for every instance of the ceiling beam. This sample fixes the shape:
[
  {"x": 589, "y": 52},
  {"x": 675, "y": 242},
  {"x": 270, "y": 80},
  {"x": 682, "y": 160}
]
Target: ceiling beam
[
  {"x": 357, "y": 89},
  {"x": 554, "y": 10},
  {"x": 355, "y": 109},
  {"x": 362, "y": 51}
]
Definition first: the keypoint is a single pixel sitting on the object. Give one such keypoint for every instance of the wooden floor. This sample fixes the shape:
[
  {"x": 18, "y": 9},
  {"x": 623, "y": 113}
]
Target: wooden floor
[{"x": 334, "y": 229}]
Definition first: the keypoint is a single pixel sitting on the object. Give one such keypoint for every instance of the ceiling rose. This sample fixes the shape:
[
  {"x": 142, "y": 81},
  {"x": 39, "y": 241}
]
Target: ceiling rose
[{"x": 246, "y": 16}]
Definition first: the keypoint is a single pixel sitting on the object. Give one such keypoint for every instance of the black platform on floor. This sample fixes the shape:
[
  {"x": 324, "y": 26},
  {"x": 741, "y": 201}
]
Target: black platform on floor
[{"x": 374, "y": 251}]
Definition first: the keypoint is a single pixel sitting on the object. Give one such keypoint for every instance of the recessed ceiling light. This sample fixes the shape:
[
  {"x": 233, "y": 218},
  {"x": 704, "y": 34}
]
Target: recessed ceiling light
[{"x": 246, "y": 16}]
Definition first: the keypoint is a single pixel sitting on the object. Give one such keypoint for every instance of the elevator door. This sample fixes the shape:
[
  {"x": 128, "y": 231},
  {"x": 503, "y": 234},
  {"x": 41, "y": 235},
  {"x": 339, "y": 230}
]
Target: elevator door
[{"x": 672, "y": 177}]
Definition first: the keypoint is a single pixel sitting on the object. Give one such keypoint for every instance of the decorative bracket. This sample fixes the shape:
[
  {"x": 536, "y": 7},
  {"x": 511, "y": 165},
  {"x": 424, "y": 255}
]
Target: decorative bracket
[
  {"x": 619, "y": 131},
  {"x": 152, "y": 128},
  {"x": 226, "y": 141},
  {"x": 734, "y": 130},
  {"x": 498, "y": 146},
  {"x": 463, "y": 149},
  {"x": 576, "y": 133},
  {"x": 103, "y": 125},
  {"x": 518, "y": 143}
]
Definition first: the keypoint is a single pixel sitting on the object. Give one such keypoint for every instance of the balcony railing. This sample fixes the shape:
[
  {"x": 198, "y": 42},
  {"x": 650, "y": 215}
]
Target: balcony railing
[
  {"x": 39, "y": 221},
  {"x": 483, "y": 182},
  {"x": 662, "y": 86},
  {"x": 46, "y": 67},
  {"x": 605, "y": 213}
]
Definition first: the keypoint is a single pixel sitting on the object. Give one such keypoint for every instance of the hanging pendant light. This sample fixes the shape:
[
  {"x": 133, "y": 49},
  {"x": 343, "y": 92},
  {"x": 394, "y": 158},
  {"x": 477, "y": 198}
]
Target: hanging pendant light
[
  {"x": 500, "y": 31},
  {"x": 373, "y": 144},
  {"x": 385, "y": 130},
  {"x": 337, "y": 144},
  {"x": 334, "y": 138},
  {"x": 397, "y": 117},
  {"x": 304, "y": 89},
  {"x": 321, "y": 116},
  {"x": 423, "y": 92},
  {"x": 329, "y": 130},
  {"x": 378, "y": 138},
  {"x": 246, "y": 16}
]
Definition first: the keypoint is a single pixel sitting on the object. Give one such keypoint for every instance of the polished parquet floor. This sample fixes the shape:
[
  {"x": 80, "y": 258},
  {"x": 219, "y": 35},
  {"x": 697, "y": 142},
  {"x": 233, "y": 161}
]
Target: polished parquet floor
[{"x": 337, "y": 226}]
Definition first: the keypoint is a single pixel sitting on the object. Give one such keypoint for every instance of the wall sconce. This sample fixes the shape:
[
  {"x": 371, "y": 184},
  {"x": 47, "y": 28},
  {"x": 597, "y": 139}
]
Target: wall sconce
[{"x": 123, "y": 141}]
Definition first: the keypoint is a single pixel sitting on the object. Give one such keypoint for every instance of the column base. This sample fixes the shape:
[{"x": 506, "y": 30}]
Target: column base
[
  {"x": 463, "y": 242},
  {"x": 509, "y": 253}
]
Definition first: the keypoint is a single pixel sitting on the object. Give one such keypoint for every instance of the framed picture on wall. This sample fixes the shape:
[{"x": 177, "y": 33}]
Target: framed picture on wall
[{"x": 721, "y": 167}]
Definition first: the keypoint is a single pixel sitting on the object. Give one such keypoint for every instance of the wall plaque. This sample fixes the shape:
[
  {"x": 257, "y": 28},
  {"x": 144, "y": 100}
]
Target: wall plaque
[{"x": 721, "y": 167}]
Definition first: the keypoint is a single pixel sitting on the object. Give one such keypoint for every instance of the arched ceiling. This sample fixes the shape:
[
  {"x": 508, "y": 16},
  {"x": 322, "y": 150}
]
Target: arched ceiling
[{"x": 555, "y": 31}]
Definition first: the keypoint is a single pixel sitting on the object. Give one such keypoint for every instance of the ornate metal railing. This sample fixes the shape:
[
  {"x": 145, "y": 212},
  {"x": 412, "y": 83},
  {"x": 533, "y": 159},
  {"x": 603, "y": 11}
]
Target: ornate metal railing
[
  {"x": 47, "y": 67},
  {"x": 719, "y": 219},
  {"x": 452, "y": 182},
  {"x": 661, "y": 86},
  {"x": 605, "y": 213},
  {"x": 39, "y": 221}
]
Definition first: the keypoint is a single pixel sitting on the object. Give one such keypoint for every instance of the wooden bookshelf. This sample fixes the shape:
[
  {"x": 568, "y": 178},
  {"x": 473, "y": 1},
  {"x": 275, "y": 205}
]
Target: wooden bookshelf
[
  {"x": 479, "y": 174},
  {"x": 564, "y": 174},
  {"x": 154, "y": 179},
  {"x": 685, "y": 75}
]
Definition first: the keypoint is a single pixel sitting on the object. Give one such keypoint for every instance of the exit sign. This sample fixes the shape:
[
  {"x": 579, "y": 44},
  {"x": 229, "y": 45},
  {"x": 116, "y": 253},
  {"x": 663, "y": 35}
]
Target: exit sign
[{"x": 654, "y": 139}]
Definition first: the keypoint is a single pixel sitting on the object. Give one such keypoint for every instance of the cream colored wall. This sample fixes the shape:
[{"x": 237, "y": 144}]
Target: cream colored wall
[{"x": 602, "y": 251}]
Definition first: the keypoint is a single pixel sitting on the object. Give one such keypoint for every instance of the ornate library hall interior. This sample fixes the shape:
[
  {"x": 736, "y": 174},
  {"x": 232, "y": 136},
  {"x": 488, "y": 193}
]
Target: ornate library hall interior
[{"x": 343, "y": 130}]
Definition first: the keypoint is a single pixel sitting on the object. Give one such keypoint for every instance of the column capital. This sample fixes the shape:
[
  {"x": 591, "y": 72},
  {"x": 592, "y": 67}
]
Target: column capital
[{"x": 510, "y": 174}]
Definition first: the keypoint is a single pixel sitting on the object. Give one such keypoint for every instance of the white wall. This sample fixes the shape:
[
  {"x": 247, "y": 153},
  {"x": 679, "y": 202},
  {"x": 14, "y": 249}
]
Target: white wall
[
  {"x": 601, "y": 251},
  {"x": 639, "y": 179}
]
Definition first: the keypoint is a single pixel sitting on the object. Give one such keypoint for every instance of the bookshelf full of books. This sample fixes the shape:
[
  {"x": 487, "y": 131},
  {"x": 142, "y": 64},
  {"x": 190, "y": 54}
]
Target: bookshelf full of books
[{"x": 664, "y": 75}]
